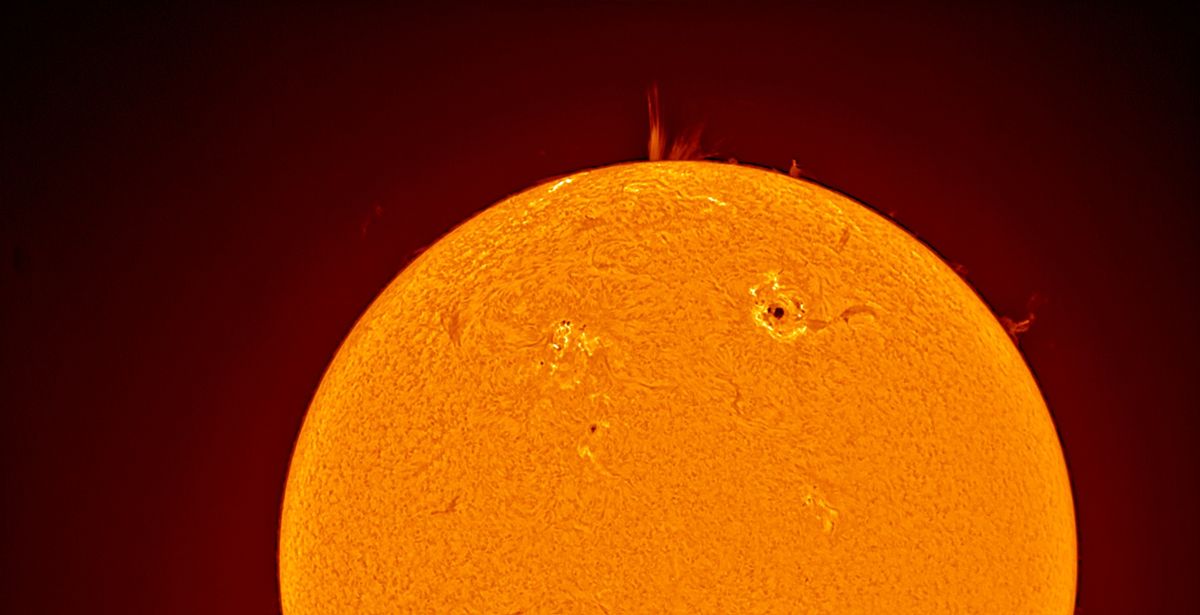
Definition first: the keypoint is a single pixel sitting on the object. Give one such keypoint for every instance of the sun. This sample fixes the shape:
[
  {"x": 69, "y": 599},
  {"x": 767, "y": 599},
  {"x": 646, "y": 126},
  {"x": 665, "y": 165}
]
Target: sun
[{"x": 678, "y": 386}]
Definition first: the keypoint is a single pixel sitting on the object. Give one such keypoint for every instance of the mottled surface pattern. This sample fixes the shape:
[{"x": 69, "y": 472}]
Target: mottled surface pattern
[{"x": 678, "y": 387}]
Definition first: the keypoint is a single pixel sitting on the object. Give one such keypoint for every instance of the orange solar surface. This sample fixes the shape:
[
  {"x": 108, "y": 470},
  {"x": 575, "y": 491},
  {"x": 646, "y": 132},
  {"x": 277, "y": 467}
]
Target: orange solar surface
[{"x": 678, "y": 387}]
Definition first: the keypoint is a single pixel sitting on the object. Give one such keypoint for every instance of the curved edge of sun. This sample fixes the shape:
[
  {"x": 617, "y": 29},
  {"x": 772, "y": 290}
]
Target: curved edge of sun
[{"x": 431, "y": 247}]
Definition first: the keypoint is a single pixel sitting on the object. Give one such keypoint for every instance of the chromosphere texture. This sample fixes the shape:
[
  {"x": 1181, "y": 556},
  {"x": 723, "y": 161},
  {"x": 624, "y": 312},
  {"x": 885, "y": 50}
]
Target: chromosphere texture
[{"x": 678, "y": 386}]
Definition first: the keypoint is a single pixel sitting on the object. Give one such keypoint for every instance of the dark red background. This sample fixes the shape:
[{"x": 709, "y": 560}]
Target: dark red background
[{"x": 198, "y": 205}]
